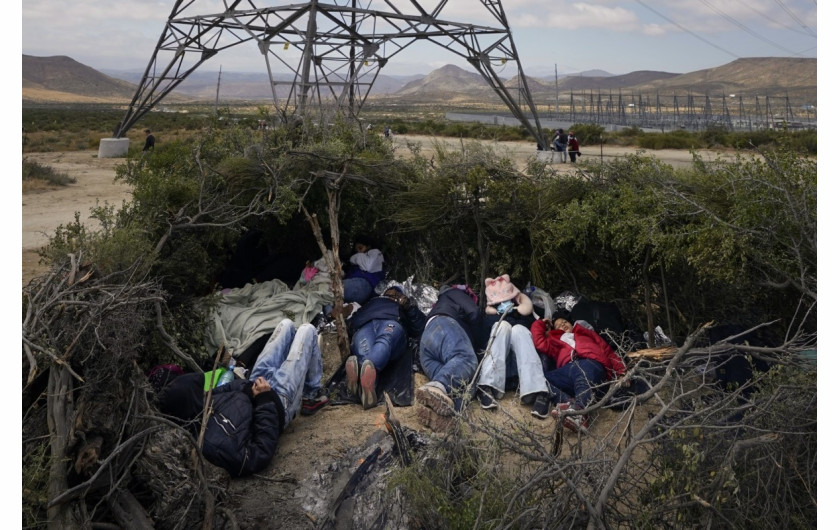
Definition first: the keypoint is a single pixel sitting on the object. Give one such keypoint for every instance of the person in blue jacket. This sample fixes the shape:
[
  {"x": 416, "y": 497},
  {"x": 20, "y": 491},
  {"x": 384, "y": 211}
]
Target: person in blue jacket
[{"x": 380, "y": 331}]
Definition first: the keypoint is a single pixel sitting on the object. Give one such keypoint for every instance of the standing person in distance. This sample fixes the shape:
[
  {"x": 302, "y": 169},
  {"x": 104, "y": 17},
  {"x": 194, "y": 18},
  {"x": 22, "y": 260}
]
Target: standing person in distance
[
  {"x": 149, "y": 145},
  {"x": 561, "y": 141},
  {"x": 574, "y": 147}
]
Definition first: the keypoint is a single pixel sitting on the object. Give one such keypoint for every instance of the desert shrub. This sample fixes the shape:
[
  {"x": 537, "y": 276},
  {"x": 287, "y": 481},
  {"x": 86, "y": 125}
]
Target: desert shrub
[
  {"x": 33, "y": 170},
  {"x": 678, "y": 139},
  {"x": 588, "y": 133},
  {"x": 724, "y": 478},
  {"x": 717, "y": 241}
]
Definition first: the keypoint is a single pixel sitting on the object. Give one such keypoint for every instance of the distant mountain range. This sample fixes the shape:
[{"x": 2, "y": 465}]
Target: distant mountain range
[{"x": 61, "y": 79}]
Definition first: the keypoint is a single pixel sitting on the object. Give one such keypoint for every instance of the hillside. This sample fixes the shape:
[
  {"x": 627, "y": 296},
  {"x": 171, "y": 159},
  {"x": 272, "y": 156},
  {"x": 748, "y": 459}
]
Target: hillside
[
  {"x": 755, "y": 74},
  {"x": 449, "y": 78},
  {"x": 61, "y": 78},
  {"x": 612, "y": 82}
]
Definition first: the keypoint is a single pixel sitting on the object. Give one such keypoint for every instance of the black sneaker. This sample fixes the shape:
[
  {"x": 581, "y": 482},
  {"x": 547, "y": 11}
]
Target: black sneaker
[
  {"x": 485, "y": 397},
  {"x": 310, "y": 406},
  {"x": 541, "y": 406}
]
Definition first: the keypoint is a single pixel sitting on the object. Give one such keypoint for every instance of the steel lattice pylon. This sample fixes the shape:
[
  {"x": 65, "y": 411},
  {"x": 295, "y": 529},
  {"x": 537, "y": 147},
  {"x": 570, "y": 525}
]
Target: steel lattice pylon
[{"x": 330, "y": 52}]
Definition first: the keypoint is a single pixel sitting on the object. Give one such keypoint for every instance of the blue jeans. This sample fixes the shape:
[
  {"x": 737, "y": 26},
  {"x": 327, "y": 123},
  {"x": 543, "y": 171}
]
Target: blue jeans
[
  {"x": 380, "y": 341},
  {"x": 577, "y": 379},
  {"x": 446, "y": 353},
  {"x": 512, "y": 352},
  {"x": 291, "y": 363},
  {"x": 357, "y": 290}
]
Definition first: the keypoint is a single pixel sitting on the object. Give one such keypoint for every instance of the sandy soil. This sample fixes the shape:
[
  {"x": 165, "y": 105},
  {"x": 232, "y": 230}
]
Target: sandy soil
[{"x": 44, "y": 210}]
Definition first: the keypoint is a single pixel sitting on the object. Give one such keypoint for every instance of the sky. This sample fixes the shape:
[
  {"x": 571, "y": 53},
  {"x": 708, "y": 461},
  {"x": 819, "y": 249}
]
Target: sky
[{"x": 617, "y": 36}]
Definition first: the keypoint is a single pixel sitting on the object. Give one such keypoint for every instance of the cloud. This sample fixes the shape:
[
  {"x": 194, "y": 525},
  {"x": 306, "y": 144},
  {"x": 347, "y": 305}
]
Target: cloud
[
  {"x": 574, "y": 16},
  {"x": 653, "y": 30}
]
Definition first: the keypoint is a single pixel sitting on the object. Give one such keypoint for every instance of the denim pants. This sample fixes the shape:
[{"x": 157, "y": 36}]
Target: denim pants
[
  {"x": 563, "y": 151},
  {"x": 380, "y": 341},
  {"x": 291, "y": 363},
  {"x": 512, "y": 351},
  {"x": 357, "y": 290},
  {"x": 446, "y": 353},
  {"x": 577, "y": 379}
]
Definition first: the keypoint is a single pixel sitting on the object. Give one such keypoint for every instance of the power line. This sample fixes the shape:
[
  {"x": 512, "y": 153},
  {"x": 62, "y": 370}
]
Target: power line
[
  {"x": 766, "y": 17},
  {"x": 794, "y": 17},
  {"x": 724, "y": 50},
  {"x": 745, "y": 28}
]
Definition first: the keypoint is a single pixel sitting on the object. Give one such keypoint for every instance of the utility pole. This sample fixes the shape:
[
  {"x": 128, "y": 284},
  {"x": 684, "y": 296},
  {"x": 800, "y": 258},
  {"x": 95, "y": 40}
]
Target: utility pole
[{"x": 218, "y": 84}]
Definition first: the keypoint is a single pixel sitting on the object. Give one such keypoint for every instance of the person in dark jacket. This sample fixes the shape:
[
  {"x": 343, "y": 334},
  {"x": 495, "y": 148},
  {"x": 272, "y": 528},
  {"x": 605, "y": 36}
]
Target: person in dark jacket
[
  {"x": 379, "y": 335},
  {"x": 149, "y": 144},
  {"x": 247, "y": 417},
  {"x": 447, "y": 349},
  {"x": 561, "y": 141},
  {"x": 583, "y": 360}
]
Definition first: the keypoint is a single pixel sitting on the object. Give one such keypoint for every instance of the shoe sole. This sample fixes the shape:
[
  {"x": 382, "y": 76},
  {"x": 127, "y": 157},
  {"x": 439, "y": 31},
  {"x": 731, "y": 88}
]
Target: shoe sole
[
  {"x": 433, "y": 421},
  {"x": 536, "y": 414},
  {"x": 574, "y": 426},
  {"x": 439, "y": 402},
  {"x": 487, "y": 406},
  {"x": 312, "y": 408},
  {"x": 368, "y": 384},
  {"x": 351, "y": 366}
]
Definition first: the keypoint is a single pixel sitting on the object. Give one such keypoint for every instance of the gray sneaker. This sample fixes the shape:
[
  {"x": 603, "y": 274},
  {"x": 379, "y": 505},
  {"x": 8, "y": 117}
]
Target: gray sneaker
[{"x": 433, "y": 395}]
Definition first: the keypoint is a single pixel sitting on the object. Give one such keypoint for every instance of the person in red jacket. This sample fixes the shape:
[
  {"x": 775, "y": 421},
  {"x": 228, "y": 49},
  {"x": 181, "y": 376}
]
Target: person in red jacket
[
  {"x": 574, "y": 147},
  {"x": 583, "y": 360}
]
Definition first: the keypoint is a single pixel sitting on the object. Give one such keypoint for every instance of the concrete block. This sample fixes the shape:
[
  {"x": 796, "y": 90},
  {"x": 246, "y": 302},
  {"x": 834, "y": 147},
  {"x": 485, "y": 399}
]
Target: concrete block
[{"x": 113, "y": 147}]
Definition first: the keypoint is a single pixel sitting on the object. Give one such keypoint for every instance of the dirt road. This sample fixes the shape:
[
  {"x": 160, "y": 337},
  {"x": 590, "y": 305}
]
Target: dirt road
[{"x": 44, "y": 211}]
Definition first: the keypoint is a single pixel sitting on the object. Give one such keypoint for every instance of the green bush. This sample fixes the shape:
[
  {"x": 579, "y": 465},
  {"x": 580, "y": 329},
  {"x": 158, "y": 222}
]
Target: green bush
[
  {"x": 588, "y": 134},
  {"x": 671, "y": 140}
]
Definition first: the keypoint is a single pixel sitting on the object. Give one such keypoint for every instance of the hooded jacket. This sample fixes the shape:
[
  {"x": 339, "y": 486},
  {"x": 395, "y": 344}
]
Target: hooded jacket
[
  {"x": 588, "y": 345},
  {"x": 242, "y": 430},
  {"x": 383, "y": 308},
  {"x": 459, "y": 304}
]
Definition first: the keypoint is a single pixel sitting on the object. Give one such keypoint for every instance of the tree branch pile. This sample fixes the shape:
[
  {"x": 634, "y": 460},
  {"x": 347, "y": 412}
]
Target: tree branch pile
[{"x": 88, "y": 408}]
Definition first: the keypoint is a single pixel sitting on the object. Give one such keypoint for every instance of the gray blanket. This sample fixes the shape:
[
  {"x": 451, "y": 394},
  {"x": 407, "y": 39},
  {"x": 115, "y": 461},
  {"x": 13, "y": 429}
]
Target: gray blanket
[{"x": 245, "y": 314}]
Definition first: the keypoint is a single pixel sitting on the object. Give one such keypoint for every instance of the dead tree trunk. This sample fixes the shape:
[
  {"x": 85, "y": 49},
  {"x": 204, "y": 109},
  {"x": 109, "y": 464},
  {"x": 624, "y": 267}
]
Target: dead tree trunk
[
  {"x": 60, "y": 414},
  {"x": 648, "y": 304},
  {"x": 332, "y": 183}
]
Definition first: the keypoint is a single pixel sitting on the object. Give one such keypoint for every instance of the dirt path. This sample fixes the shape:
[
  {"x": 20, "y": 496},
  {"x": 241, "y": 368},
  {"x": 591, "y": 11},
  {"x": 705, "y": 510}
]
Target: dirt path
[
  {"x": 521, "y": 152},
  {"x": 43, "y": 211}
]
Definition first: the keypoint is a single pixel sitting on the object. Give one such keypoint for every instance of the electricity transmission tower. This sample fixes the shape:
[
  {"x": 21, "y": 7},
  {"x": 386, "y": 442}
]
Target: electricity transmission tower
[{"x": 324, "y": 56}]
